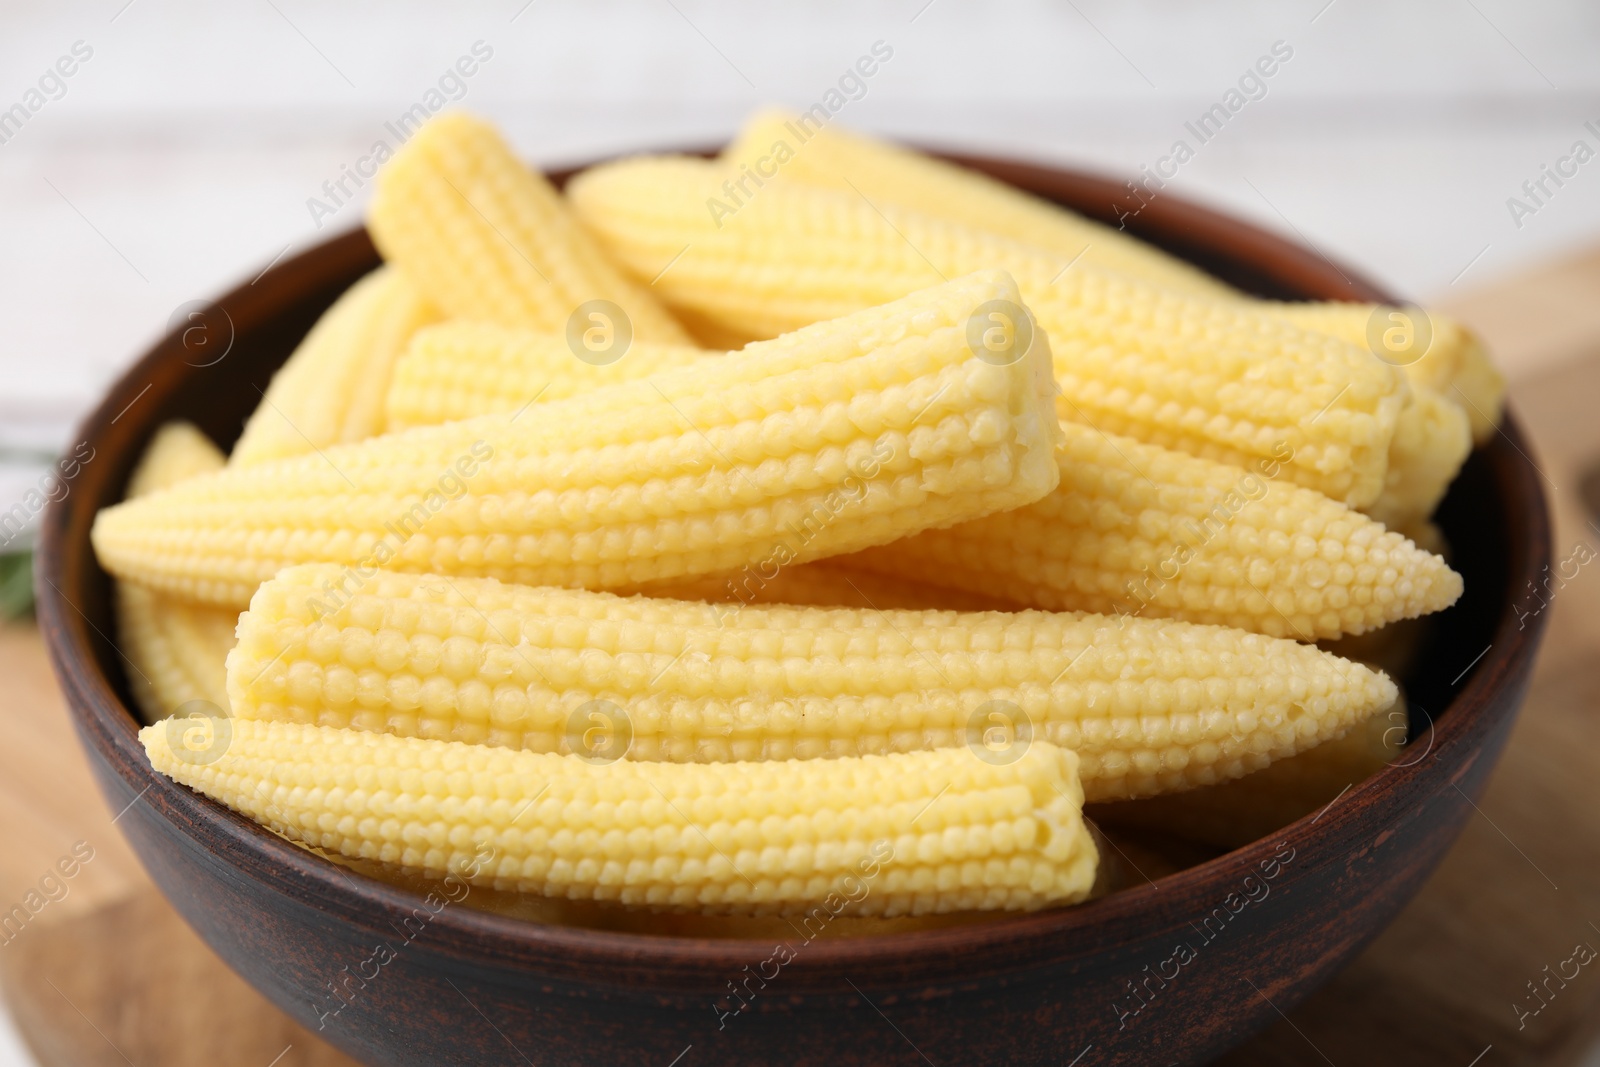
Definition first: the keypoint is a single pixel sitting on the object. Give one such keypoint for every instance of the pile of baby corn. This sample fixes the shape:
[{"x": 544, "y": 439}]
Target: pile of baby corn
[{"x": 721, "y": 529}]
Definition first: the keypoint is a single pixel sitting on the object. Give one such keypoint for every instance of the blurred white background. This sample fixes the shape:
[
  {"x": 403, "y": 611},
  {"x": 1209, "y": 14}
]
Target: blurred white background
[{"x": 181, "y": 155}]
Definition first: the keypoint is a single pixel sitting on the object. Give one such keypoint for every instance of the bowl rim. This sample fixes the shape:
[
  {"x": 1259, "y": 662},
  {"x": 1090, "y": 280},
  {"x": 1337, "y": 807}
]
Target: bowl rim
[{"x": 998, "y": 943}]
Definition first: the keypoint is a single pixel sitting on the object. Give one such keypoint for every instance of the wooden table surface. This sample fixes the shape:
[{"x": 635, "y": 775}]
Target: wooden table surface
[{"x": 107, "y": 974}]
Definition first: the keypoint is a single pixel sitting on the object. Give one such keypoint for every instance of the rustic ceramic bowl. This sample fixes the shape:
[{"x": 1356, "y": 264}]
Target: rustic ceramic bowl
[{"x": 1102, "y": 983}]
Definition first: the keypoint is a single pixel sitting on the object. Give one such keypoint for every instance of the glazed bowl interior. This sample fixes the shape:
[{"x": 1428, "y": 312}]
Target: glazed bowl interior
[{"x": 1494, "y": 519}]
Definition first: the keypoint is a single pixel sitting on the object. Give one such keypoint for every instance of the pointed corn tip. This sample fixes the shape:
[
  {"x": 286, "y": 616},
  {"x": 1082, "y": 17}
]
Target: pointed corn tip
[
  {"x": 1427, "y": 583},
  {"x": 1446, "y": 588}
]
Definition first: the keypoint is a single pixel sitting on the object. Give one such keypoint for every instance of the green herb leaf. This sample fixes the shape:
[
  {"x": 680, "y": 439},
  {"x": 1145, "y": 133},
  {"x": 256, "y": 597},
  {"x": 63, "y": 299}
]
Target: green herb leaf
[{"x": 16, "y": 585}]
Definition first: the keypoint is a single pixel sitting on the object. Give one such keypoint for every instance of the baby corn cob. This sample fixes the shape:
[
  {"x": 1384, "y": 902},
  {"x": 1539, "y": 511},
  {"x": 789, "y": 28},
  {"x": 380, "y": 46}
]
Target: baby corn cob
[
  {"x": 839, "y": 436},
  {"x": 905, "y": 834},
  {"x": 178, "y": 451},
  {"x": 1481, "y": 388},
  {"x": 1231, "y": 814},
  {"x": 485, "y": 237},
  {"x": 1148, "y": 705},
  {"x": 1432, "y": 439},
  {"x": 1455, "y": 364},
  {"x": 459, "y": 370},
  {"x": 885, "y": 173},
  {"x": 1439, "y": 424},
  {"x": 792, "y": 148},
  {"x": 776, "y": 144},
  {"x": 177, "y": 651},
  {"x": 1134, "y": 528},
  {"x": 332, "y": 388},
  {"x": 1213, "y": 378}
]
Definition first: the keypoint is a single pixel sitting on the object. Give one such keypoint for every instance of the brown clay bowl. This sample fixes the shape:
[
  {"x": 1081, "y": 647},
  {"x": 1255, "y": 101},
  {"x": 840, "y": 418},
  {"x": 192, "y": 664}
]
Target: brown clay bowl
[{"x": 1047, "y": 988}]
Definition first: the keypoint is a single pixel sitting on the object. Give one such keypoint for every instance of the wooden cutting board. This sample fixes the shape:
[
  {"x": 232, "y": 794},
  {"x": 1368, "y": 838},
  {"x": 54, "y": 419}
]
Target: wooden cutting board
[{"x": 109, "y": 975}]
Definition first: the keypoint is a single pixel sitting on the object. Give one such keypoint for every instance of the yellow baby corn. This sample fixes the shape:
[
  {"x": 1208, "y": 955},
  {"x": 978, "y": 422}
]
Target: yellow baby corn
[
  {"x": 332, "y": 388},
  {"x": 842, "y": 435},
  {"x": 1231, "y": 814},
  {"x": 461, "y": 369},
  {"x": 905, "y": 834},
  {"x": 788, "y": 147},
  {"x": 1148, "y": 705},
  {"x": 1214, "y": 378},
  {"x": 778, "y": 144},
  {"x": 1439, "y": 424},
  {"x": 1481, "y": 389},
  {"x": 485, "y": 237},
  {"x": 178, "y": 451},
  {"x": 1432, "y": 439},
  {"x": 1134, "y": 528},
  {"x": 1454, "y": 364},
  {"x": 176, "y": 651}
]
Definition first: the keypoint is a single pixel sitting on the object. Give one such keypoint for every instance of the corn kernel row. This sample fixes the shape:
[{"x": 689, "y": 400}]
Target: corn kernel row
[
  {"x": 906, "y": 834},
  {"x": 1148, "y": 705}
]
